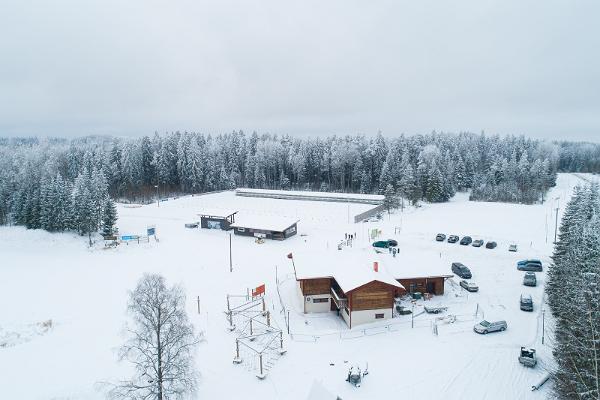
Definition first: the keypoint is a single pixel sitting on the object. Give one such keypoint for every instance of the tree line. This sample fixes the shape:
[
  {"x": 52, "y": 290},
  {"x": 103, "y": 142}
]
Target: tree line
[
  {"x": 429, "y": 168},
  {"x": 573, "y": 291}
]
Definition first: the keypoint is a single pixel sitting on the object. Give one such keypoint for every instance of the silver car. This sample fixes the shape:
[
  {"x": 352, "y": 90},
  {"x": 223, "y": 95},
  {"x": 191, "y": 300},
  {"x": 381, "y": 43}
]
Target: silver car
[
  {"x": 486, "y": 327},
  {"x": 469, "y": 286}
]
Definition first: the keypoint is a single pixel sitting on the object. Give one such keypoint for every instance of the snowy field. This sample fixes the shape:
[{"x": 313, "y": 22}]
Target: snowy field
[{"x": 83, "y": 293}]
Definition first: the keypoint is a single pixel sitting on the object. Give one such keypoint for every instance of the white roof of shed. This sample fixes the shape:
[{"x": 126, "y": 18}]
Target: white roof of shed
[
  {"x": 376, "y": 197},
  {"x": 264, "y": 222},
  {"x": 217, "y": 212},
  {"x": 349, "y": 269},
  {"x": 353, "y": 267}
]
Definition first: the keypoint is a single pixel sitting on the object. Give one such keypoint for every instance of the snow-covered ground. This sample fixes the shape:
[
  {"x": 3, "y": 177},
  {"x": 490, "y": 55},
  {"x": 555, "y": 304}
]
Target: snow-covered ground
[{"x": 84, "y": 292}]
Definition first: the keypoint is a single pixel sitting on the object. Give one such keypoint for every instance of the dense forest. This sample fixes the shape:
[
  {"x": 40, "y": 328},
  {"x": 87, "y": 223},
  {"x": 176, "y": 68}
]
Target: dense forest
[
  {"x": 573, "y": 290},
  {"x": 43, "y": 181}
]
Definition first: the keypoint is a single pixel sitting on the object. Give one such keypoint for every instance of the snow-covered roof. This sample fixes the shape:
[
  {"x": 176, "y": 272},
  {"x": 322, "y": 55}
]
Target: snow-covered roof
[
  {"x": 264, "y": 222},
  {"x": 351, "y": 197},
  {"x": 349, "y": 269},
  {"x": 217, "y": 212},
  {"x": 352, "y": 268}
]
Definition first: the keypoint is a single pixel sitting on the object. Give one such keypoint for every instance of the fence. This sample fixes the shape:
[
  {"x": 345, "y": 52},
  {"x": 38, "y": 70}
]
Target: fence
[{"x": 369, "y": 213}]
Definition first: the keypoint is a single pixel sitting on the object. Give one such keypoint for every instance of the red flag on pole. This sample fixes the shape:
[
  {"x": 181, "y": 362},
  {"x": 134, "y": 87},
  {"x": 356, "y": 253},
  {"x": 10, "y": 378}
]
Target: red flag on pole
[{"x": 258, "y": 290}]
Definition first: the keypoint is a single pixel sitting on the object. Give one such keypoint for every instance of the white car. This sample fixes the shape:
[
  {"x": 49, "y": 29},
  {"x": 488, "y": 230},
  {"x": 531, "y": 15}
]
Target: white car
[
  {"x": 469, "y": 286},
  {"x": 485, "y": 327},
  {"x": 512, "y": 247}
]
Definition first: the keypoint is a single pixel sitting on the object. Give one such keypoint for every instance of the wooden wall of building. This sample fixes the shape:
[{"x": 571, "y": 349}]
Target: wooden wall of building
[
  {"x": 424, "y": 285},
  {"x": 372, "y": 296},
  {"x": 315, "y": 286}
]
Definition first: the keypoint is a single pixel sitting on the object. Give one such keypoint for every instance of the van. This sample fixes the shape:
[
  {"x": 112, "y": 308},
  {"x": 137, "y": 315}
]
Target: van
[{"x": 461, "y": 270}]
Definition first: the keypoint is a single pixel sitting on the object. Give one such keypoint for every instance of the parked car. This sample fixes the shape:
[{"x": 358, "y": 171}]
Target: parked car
[
  {"x": 440, "y": 237},
  {"x": 527, "y": 357},
  {"x": 469, "y": 286},
  {"x": 477, "y": 243},
  {"x": 512, "y": 247},
  {"x": 529, "y": 261},
  {"x": 461, "y": 270},
  {"x": 526, "y": 302},
  {"x": 533, "y": 267},
  {"x": 487, "y": 327},
  {"x": 466, "y": 240},
  {"x": 384, "y": 244},
  {"x": 491, "y": 245},
  {"x": 529, "y": 279},
  {"x": 453, "y": 239}
]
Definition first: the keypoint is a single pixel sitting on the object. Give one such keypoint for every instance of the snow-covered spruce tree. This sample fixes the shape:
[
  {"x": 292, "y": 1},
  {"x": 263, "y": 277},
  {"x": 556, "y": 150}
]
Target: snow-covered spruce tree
[
  {"x": 573, "y": 291},
  {"x": 391, "y": 200},
  {"x": 160, "y": 346},
  {"x": 109, "y": 218}
]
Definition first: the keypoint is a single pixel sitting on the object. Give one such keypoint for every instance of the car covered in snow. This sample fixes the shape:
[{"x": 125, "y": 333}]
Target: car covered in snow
[
  {"x": 453, "y": 239},
  {"x": 529, "y": 279},
  {"x": 512, "y": 247},
  {"x": 469, "y": 286},
  {"x": 461, "y": 270},
  {"x": 477, "y": 243},
  {"x": 466, "y": 240},
  {"x": 485, "y": 327},
  {"x": 440, "y": 237},
  {"x": 526, "y": 302},
  {"x": 491, "y": 245}
]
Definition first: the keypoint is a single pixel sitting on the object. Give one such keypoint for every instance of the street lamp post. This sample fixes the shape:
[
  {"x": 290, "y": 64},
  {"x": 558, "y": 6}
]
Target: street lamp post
[
  {"x": 157, "y": 196},
  {"x": 556, "y": 222}
]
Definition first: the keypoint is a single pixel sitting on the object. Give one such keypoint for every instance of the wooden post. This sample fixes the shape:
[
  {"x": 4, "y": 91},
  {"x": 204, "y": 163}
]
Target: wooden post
[
  {"x": 281, "y": 340},
  {"x": 237, "y": 349},
  {"x": 198, "y": 304},
  {"x": 261, "y": 364},
  {"x": 263, "y": 304},
  {"x": 230, "y": 261},
  {"x": 251, "y": 332},
  {"x": 268, "y": 319},
  {"x": 288, "y": 321}
]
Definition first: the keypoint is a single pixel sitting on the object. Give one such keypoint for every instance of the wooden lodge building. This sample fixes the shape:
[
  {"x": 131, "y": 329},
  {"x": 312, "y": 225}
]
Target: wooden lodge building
[{"x": 361, "y": 292}]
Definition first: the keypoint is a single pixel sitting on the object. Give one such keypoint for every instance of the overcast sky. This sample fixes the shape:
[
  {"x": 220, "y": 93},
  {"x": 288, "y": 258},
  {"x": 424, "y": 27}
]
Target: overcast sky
[{"x": 72, "y": 68}]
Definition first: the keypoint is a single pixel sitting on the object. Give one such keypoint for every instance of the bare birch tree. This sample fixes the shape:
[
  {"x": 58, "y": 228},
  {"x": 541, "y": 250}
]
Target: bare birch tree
[{"x": 160, "y": 345}]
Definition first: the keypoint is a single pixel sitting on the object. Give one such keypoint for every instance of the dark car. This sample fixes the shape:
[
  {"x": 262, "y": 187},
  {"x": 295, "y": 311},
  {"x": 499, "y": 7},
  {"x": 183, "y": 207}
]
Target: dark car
[
  {"x": 440, "y": 237},
  {"x": 466, "y": 240},
  {"x": 526, "y": 303},
  {"x": 392, "y": 243},
  {"x": 491, "y": 245},
  {"x": 461, "y": 270},
  {"x": 477, "y": 243},
  {"x": 529, "y": 279},
  {"x": 533, "y": 267},
  {"x": 529, "y": 261},
  {"x": 453, "y": 239}
]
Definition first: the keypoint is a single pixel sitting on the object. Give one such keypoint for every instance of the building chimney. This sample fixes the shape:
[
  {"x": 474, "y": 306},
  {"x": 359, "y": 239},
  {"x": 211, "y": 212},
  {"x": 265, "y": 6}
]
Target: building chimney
[{"x": 375, "y": 266}]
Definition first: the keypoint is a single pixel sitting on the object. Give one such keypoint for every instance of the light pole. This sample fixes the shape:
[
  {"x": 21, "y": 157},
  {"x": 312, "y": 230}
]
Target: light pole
[
  {"x": 230, "y": 261},
  {"x": 157, "y": 196},
  {"x": 556, "y": 222},
  {"x": 543, "y": 324}
]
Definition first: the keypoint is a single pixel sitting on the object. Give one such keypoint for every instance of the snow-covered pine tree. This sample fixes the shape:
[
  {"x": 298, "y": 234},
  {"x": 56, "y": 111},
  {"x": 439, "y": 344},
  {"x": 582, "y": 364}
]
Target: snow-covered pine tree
[{"x": 109, "y": 218}]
